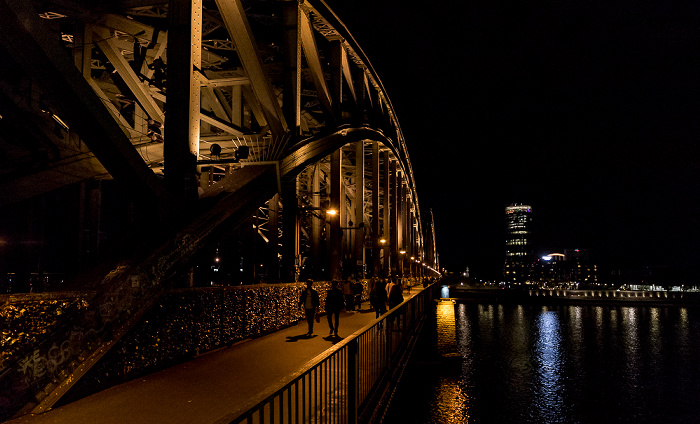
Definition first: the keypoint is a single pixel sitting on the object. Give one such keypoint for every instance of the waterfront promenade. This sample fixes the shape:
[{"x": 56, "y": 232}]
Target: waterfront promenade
[
  {"x": 215, "y": 387},
  {"x": 599, "y": 296}
]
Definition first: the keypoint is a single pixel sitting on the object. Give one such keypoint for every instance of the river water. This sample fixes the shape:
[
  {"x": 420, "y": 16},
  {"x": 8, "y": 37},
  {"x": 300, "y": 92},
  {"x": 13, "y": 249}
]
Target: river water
[{"x": 508, "y": 363}]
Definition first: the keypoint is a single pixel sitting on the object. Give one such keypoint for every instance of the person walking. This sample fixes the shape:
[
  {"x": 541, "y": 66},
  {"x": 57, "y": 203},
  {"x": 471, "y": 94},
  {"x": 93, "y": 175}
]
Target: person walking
[
  {"x": 395, "y": 295},
  {"x": 378, "y": 297},
  {"x": 310, "y": 302},
  {"x": 357, "y": 289},
  {"x": 390, "y": 283},
  {"x": 349, "y": 295},
  {"x": 334, "y": 303}
]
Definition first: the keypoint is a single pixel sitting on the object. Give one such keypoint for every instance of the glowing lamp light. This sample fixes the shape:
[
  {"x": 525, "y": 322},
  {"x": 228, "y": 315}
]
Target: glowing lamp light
[{"x": 332, "y": 212}]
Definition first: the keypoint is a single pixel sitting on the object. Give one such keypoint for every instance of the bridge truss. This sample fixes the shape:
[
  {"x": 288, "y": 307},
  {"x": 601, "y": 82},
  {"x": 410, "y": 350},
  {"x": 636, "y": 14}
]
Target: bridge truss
[{"x": 210, "y": 116}]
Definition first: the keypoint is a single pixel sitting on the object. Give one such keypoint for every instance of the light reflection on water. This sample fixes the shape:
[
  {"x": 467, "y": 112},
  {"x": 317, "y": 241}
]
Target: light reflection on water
[
  {"x": 631, "y": 338},
  {"x": 451, "y": 403},
  {"x": 446, "y": 328},
  {"x": 548, "y": 359},
  {"x": 561, "y": 364}
]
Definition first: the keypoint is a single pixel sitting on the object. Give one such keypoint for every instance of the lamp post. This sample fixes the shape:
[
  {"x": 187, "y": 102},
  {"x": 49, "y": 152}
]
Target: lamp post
[
  {"x": 402, "y": 252},
  {"x": 383, "y": 256}
]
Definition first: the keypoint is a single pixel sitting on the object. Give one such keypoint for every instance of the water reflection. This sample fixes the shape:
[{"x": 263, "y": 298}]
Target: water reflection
[
  {"x": 446, "y": 328},
  {"x": 566, "y": 364},
  {"x": 548, "y": 357},
  {"x": 655, "y": 332},
  {"x": 451, "y": 403},
  {"x": 631, "y": 343}
]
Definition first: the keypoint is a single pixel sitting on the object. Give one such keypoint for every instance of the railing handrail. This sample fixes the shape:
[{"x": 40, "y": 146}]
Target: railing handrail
[{"x": 259, "y": 401}]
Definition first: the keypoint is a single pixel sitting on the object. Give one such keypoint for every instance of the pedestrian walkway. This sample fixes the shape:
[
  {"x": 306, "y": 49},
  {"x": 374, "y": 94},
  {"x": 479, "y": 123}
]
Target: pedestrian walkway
[{"x": 217, "y": 385}]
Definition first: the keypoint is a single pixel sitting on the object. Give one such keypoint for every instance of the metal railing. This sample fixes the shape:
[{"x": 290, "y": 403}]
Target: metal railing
[{"x": 341, "y": 385}]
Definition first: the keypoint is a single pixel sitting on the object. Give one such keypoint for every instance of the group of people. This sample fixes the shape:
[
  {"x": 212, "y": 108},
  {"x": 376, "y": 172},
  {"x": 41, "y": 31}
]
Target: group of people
[{"x": 382, "y": 294}]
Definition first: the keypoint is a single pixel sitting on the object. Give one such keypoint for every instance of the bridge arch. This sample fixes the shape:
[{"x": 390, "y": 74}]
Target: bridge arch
[{"x": 260, "y": 97}]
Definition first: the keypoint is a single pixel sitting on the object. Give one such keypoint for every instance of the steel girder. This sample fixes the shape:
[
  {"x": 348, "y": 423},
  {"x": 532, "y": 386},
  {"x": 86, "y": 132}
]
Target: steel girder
[
  {"x": 103, "y": 74},
  {"x": 122, "y": 56}
]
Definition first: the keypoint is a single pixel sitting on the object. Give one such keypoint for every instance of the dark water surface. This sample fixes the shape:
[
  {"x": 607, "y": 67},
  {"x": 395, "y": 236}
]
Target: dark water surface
[{"x": 504, "y": 363}]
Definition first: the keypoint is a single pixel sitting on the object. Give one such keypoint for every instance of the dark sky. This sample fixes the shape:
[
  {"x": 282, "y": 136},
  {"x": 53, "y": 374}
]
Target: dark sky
[{"x": 586, "y": 110}]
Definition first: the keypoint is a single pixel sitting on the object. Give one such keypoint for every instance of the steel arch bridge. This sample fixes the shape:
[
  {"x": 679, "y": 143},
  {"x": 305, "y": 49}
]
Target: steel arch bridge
[{"x": 209, "y": 115}]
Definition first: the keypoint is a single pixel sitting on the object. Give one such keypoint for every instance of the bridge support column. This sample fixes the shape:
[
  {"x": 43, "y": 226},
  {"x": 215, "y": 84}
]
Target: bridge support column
[
  {"x": 408, "y": 229},
  {"x": 414, "y": 241},
  {"x": 359, "y": 230},
  {"x": 393, "y": 219},
  {"x": 273, "y": 268},
  {"x": 386, "y": 200},
  {"x": 336, "y": 239},
  {"x": 375, "y": 209},
  {"x": 290, "y": 232},
  {"x": 291, "y": 107},
  {"x": 401, "y": 222},
  {"x": 181, "y": 146},
  {"x": 317, "y": 222}
]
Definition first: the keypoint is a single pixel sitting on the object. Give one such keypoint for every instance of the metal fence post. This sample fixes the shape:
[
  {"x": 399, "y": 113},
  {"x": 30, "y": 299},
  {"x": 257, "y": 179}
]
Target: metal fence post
[{"x": 352, "y": 382}]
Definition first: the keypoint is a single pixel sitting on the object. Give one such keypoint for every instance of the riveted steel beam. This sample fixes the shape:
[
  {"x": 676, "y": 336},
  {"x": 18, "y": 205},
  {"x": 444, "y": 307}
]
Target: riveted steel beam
[
  {"x": 138, "y": 89},
  {"x": 39, "y": 53},
  {"x": 314, "y": 62},
  {"x": 181, "y": 146},
  {"x": 236, "y": 23}
]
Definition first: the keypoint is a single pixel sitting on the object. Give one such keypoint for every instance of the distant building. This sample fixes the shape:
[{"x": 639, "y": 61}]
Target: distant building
[
  {"x": 580, "y": 268},
  {"x": 548, "y": 270},
  {"x": 518, "y": 259},
  {"x": 571, "y": 269}
]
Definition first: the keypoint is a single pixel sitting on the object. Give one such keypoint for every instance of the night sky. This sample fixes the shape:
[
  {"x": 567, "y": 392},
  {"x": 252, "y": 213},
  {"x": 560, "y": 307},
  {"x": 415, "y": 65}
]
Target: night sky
[{"x": 587, "y": 111}]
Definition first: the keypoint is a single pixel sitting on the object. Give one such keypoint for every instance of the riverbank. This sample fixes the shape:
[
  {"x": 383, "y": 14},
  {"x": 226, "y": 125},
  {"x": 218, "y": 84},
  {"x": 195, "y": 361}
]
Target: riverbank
[{"x": 549, "y": 296}]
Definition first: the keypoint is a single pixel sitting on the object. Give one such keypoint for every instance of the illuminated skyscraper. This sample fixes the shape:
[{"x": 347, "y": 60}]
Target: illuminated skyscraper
[{"x": 518, "y": 243}]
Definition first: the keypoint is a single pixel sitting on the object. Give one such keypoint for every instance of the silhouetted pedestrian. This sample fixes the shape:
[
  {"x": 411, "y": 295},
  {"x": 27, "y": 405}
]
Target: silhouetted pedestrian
[
  {"x": 334, "y": 303},
  {"x": 357, "y": 288},
  {"x": 310, "y": 302},
  {"x": 349, "y": 296},
  {"x": 377, "y": 297},
  {"x": 395, "y": 295}
]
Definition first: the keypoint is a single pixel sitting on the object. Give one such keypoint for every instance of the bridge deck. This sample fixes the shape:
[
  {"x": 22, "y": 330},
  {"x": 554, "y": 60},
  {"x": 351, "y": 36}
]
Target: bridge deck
[{"x": 212, "y": 386}]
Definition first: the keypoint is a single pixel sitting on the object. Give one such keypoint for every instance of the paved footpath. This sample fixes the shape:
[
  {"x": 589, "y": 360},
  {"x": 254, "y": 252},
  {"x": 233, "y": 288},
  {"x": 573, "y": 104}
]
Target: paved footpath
[{"x": 211, "y": 387}]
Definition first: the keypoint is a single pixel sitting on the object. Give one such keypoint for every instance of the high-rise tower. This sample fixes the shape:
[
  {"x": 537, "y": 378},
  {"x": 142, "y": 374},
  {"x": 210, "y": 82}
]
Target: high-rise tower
[{"x": 518, "y": 243}]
